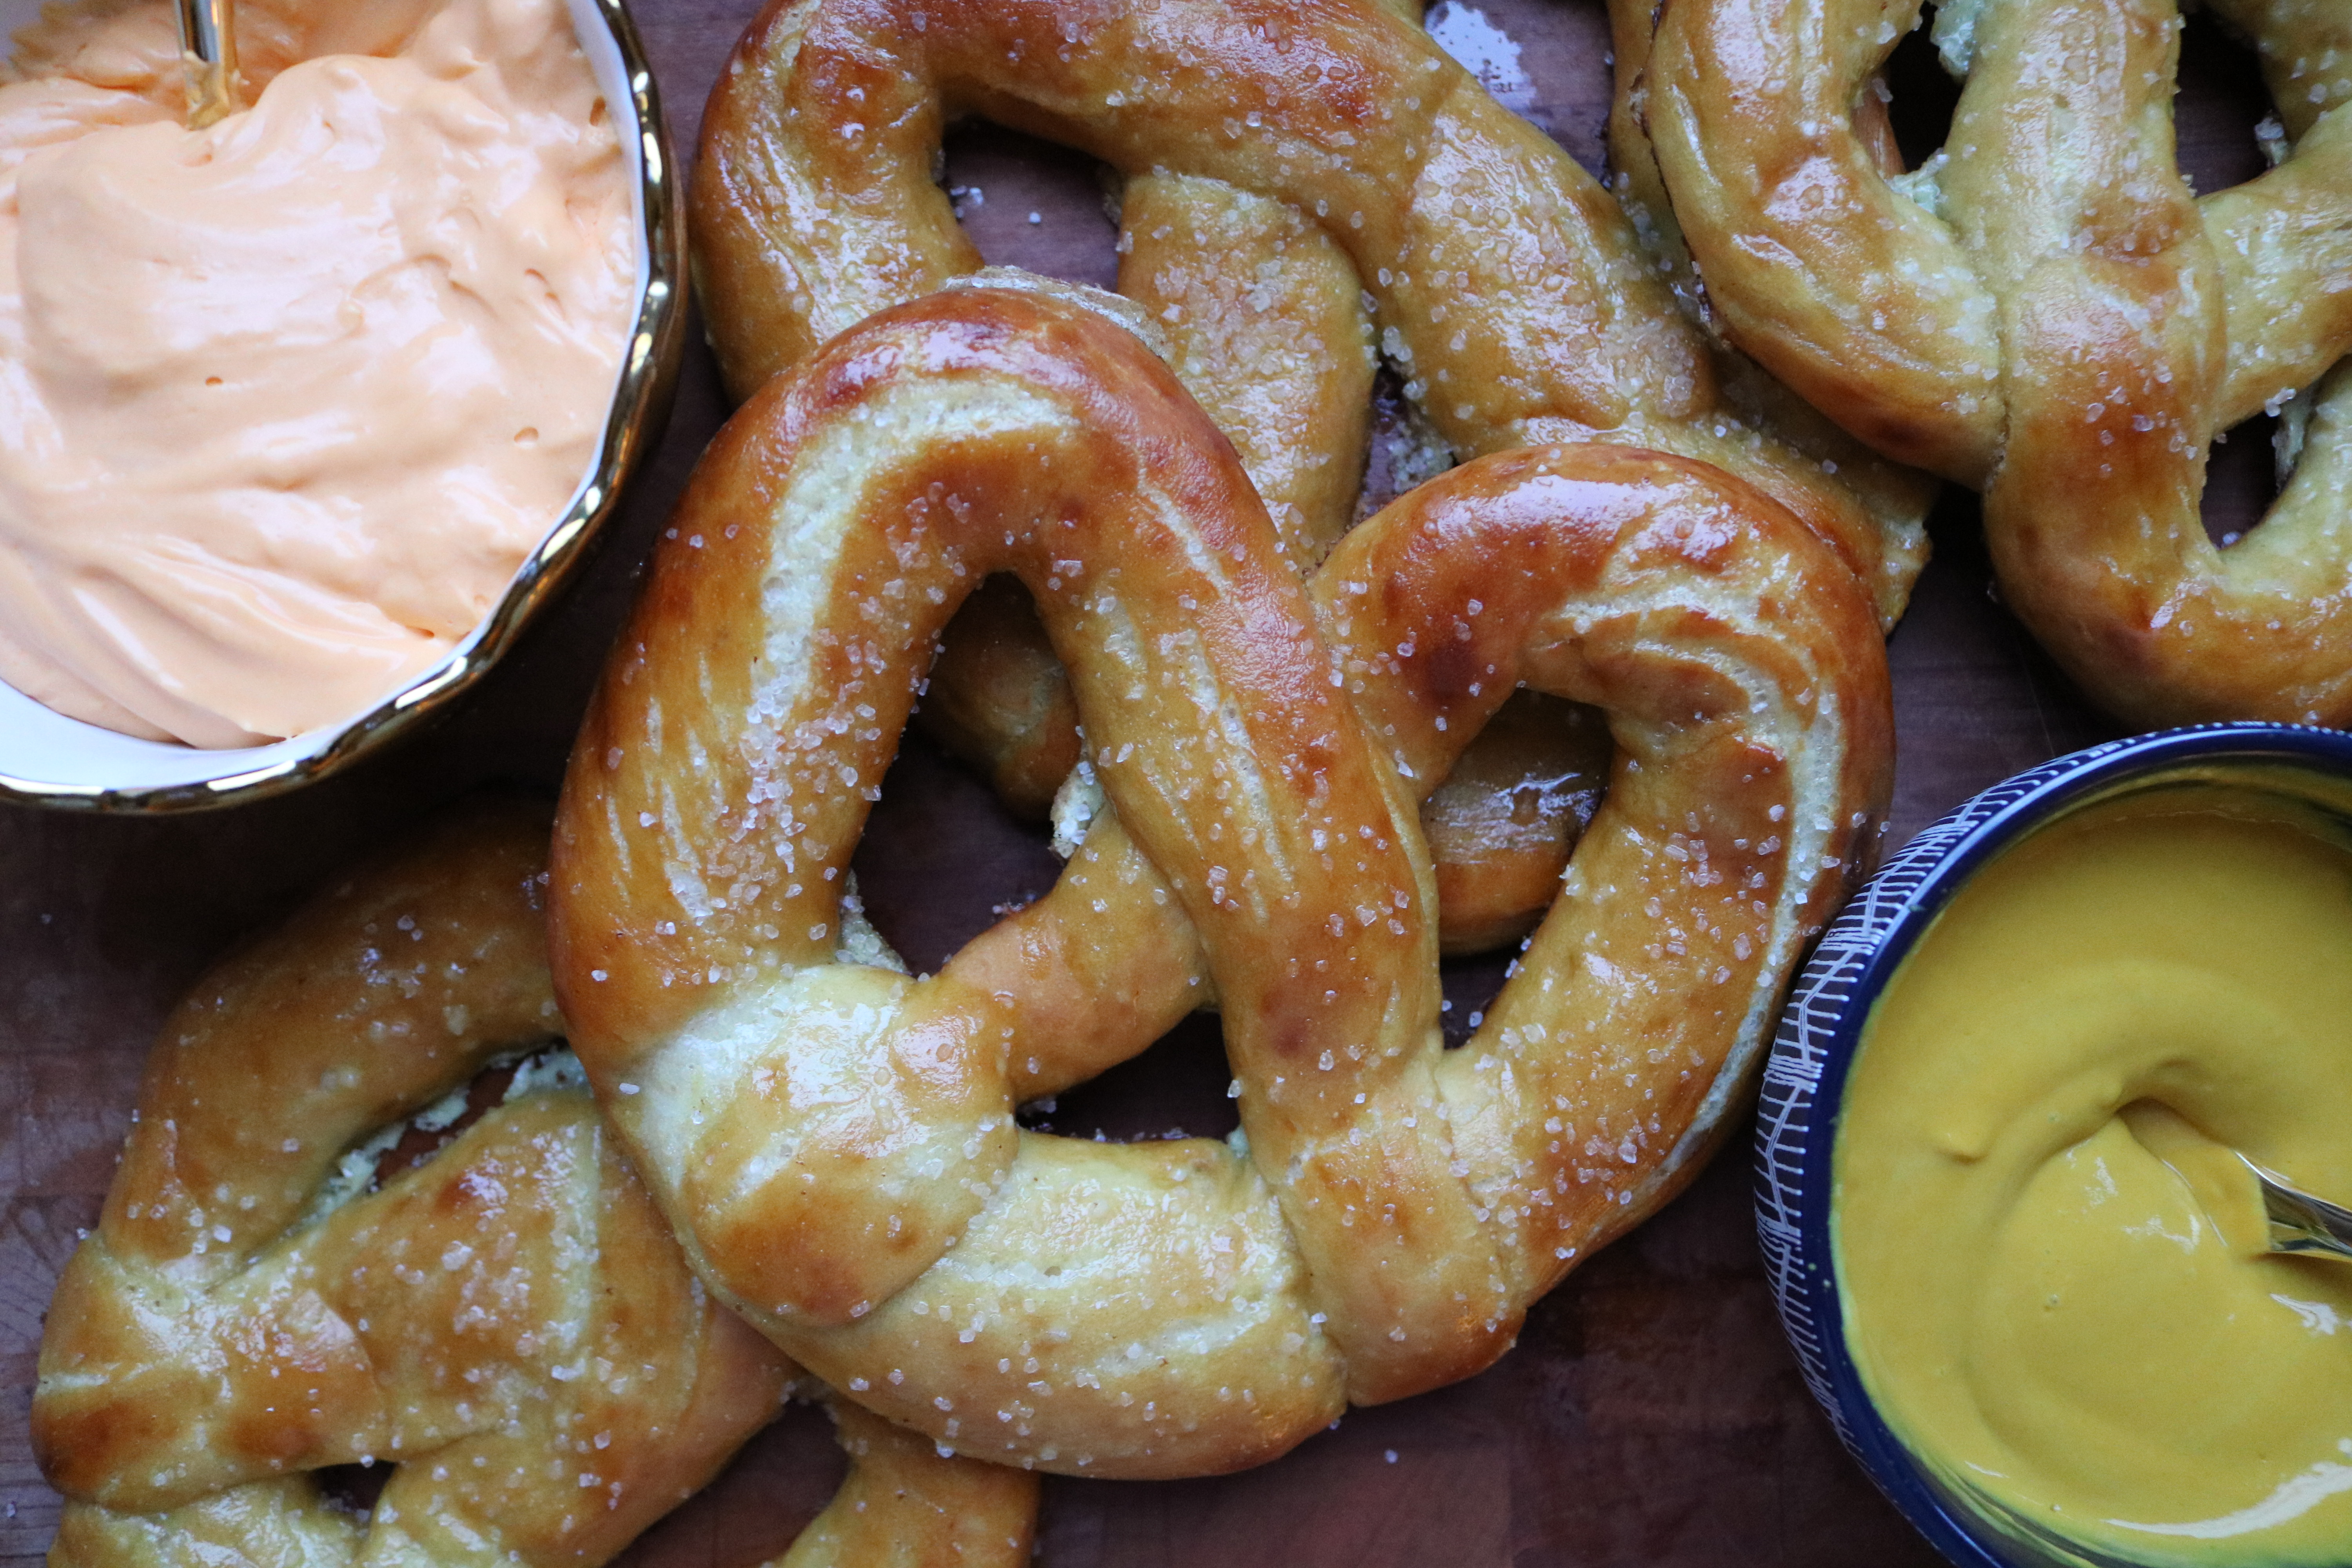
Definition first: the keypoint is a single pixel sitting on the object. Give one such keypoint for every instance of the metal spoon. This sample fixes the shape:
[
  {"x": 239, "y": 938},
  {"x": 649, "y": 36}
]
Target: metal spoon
[
  {"x": 2301, "y": 1223},
  {"x": 2263, "y": 1215},
  {"x": 208, "y": 48}
]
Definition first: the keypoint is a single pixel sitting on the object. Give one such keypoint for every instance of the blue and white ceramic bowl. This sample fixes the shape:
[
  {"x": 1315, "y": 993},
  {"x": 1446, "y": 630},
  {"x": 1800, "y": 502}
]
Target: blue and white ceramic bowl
[{"x": 1804, "y": 1082}]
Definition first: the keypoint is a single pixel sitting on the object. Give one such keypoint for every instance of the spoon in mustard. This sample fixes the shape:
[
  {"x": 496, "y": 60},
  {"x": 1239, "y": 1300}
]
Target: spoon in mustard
[
  {"x": 2254, "y": 1209},
  {"x": 208, "y": 50}
]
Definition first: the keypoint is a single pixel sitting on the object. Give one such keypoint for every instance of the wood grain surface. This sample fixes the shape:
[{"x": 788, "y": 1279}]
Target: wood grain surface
[{"x": 1651, "y": 1414}]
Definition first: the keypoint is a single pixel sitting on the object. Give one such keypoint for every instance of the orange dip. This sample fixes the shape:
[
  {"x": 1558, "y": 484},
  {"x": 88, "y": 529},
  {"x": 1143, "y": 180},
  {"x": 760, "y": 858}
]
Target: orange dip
[{"x": 285, "y": 402}]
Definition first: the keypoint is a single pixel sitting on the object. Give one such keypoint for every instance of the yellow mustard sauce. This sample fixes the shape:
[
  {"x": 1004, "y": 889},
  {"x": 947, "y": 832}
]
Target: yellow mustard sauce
[{"x": 2042, "y": 1309}]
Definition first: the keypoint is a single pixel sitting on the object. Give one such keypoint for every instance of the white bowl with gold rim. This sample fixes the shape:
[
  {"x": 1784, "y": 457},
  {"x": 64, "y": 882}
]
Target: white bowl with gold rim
[{"x": 48, "y": 759}]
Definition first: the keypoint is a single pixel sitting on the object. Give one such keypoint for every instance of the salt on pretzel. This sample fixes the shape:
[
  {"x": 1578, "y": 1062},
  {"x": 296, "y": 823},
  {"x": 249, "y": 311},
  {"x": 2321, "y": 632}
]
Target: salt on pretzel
[
  {"x": 2046, "y": 311},
  {"x": 1501, "y": 827},
  {"x": 510, "y": 1324},
  {"x": 1258, "y": 315},
  {"x": 1509, "y": 287},
  {"x": 1887, "y": 488},
  {"x": 836, "y": 1143},
  {"x": 802, "y": 228}
]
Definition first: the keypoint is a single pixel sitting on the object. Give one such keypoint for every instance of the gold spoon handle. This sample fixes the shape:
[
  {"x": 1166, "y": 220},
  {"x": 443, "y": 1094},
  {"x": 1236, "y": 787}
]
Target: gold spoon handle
[{"x": 208, "y": 48}]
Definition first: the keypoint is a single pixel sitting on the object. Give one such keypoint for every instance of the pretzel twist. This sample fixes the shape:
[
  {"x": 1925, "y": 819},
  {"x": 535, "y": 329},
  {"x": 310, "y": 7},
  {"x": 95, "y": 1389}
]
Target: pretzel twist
[
  {"x": 2047, "y": 312},
  {"x": 836, "y": 1143},
  {"x": 1259, "y": 317},
  {"x": 1888, "y": 489},
  {"x": 1508, "y": 287},
  {"x": 1261, "y": 309},
  {"x": 510, "y": 1324}
]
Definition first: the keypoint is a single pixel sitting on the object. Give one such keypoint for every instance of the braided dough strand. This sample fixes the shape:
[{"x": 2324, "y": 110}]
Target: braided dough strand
[
  {"x": 1881, "y": 301},
  {"x": 1509, "y": 287},
  {"x": 2047, "y": 312},
  {"x": 209, "y": 1333},
  {"x": 508, "y": 1324},
  {"x": 842, "y": 512},
  {"x": 836, "y": 1142}
]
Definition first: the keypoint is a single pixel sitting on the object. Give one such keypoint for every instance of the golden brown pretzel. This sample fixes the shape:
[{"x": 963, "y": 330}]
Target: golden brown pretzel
[
  {"x": 1887, "y": 488},
  {"x": 1509, "y": 287},
  {"x": 837, "y": 1142},
  {"x": 510, "y": 1323},
  {"x": 2047, "y": 312},
  {"x": 1260, "y": 318},
  {"x": 1260, "y": 304}
]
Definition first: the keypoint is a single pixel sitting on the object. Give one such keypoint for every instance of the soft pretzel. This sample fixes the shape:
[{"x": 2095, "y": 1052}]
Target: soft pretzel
[
  {"x": 510, "y": 1324},
  {"x": 1255, "y": 280},
  {"x": 2045, "y": 312},
  {"x": 1887, "y": 488},
  {"x": 1259, "y": 314},
  {"x": 836, "y": 1143},
  {"x": 1509, "y": 287}
]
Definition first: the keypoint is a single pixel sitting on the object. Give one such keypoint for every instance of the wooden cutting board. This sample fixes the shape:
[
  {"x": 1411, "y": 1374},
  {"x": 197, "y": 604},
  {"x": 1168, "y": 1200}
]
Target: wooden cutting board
[{"x": 1651, "y": 1415}]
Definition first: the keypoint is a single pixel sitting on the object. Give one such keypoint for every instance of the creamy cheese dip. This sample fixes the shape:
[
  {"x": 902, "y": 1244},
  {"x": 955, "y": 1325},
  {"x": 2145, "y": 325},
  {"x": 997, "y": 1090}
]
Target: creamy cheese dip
[
  {"x": 285, "y": 402},
  {"x": 2042, "y": 1309}
]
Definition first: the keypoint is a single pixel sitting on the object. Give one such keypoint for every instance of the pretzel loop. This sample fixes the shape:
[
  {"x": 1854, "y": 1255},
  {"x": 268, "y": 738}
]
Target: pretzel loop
[
  {"x": 508, "y": 1324},
  {"x": 837, "y": 1141},
  {"x": 1018, "y": 436},
  {"x": 2046, "y": 311},
  {"x": 231, "y": 1322},
  {"x": 1508, "y": 287}
]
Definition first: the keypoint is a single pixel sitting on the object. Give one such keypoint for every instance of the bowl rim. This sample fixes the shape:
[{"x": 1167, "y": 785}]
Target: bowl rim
[
  {"x": 642, "y": 393},
  {"x": 1814, "y": 1045}
]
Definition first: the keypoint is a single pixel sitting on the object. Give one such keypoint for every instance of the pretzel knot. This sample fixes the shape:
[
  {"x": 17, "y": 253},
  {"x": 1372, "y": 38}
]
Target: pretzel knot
[
  {"x": 2046, "y": 310},
  {"x": 836, "y": 1142},
  {"x": 1508, "y": 287},
  {"x": 510, "y": 1324}
]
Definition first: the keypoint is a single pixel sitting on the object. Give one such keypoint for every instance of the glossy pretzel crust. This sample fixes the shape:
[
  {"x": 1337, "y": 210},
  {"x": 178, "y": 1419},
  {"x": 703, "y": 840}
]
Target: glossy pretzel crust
[
  {"x": 2047, "y": 312},
  {"x": 836, "y": 1142},
  {"x": 510, "y": 1324},
  {"x": 512, "y": 1294},
  {"x": 1508, "y": 286}
]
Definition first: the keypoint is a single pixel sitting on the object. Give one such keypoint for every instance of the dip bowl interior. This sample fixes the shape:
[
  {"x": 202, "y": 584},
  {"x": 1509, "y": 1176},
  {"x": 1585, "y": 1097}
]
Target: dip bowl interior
[
  {"x": 1814, "y": 1054},
  {"x": 47, "y": 759}
]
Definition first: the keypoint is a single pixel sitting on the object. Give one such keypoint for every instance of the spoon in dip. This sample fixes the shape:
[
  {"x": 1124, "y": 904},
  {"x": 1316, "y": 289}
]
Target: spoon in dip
[
  {"x": 208, "y": 48},
  {"x": 2254, "y": 1210}
]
